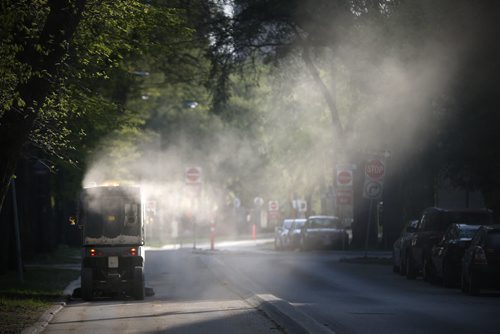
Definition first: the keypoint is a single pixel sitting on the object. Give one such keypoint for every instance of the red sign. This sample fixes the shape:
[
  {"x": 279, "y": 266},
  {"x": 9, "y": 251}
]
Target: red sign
[
  {"x": 344, "y": 197},
  {"x": 193, "y": 175},
  {"x": 273, "y": 215},
  {"x": 273, "y": 206},
  {"x": 375, "y": 169},
  {"x": 344, "y": 178}
]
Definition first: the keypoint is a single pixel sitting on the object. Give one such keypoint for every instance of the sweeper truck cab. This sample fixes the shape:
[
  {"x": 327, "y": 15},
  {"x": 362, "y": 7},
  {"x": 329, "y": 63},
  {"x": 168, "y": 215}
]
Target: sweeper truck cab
[{"x": 113, "y": 239}]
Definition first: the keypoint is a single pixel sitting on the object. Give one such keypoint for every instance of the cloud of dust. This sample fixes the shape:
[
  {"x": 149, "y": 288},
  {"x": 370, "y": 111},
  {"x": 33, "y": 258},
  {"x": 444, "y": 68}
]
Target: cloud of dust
[{"x": 387, "y": 95}]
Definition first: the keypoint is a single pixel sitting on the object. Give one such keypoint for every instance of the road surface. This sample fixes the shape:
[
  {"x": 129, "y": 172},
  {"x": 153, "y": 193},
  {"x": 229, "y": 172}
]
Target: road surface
[{"x": 248, "y": 288}]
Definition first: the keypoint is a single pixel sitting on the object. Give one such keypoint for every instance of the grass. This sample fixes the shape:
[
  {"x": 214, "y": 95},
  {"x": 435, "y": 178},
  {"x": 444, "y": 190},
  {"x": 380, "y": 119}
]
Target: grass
[
  {"x": 63, "y": 255},
  {"x": 22, "y": 303}
]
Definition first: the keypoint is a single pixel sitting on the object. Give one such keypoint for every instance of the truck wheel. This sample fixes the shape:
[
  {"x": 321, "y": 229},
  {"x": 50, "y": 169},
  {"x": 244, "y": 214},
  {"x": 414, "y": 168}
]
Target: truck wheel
[
  {"x": 87, "y": 284},
  {"x": 138, "y": 290}
]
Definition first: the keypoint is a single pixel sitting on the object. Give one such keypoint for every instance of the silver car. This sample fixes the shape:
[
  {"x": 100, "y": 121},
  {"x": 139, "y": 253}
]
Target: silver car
[
  {"x": 323, "y": 232},
  {"x": 280, "y": 234},
  {"x": 293, "y": 236}
]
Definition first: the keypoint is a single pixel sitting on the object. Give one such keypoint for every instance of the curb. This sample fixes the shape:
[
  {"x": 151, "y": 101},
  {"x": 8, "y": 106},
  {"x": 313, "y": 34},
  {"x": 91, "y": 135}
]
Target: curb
[
  {"x": 289, "y": 318},
  {"x": 286, "y": 315},
  {"x": 44, "y": 320},
  {"x": 47, "y": 316}
]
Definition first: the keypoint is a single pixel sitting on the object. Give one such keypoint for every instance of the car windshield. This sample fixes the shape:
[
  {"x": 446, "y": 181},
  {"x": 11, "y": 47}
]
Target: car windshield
[
  {"x": 467, "y": 233},
  {"x": 287, "y": 224},
  {"x": 469, "y": 218},
  {"x": 325, "y": 223},
  {"x": 298, "y": 224}
]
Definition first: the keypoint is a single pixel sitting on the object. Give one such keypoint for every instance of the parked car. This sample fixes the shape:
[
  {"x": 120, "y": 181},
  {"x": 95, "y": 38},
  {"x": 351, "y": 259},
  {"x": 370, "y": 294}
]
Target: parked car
[
  {"x": 293, "y": 236},
  {"x": 280, "y": 234},
  {"x": 447, "y": 254},
  {"x": 323, "y": 232},
  {"x": 400, "y": 246},
  {"x": 432, "y": 225},
  {"x": 481, "y": 261}
]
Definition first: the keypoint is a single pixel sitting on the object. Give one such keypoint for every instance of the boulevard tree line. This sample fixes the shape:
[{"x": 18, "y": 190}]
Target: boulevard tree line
[{"x": 307, "y": 84}]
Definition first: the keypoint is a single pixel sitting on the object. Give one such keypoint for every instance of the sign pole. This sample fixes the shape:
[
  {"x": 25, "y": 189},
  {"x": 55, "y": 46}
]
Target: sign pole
[
  {"x": 368, "y": 228},
  {"x": 194, "y": 235},
  {"x": 20, "y": 273}
]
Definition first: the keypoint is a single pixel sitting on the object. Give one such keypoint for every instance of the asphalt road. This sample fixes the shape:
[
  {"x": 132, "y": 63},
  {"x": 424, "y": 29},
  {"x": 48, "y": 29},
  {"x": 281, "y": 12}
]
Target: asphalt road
[
  {"x": 212, "y": 292},
  {"x": 189, "y": 298},
  {"x": 364, "y": 298}
]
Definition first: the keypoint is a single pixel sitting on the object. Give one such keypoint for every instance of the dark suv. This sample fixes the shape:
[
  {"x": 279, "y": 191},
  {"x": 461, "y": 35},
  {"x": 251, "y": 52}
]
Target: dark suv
[
  {"x": 433, "y": 223},
  {"x": 481, "y": 262}
]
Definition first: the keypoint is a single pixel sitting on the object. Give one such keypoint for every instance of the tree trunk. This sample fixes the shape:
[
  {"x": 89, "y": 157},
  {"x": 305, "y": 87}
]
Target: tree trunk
[{"x": 330, "y": 101}]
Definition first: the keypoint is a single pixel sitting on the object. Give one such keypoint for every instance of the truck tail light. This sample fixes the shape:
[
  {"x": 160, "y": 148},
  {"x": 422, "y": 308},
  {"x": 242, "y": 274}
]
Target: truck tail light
[
  {"x": 480, "y": 256},
  {"x": 133, "y": 251},
  {"x": 94, "y": 252}
]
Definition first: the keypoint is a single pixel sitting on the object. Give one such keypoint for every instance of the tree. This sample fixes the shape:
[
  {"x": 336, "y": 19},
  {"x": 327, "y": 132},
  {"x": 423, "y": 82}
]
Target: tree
[
  {"x": 70, "y": 70},
  {"x": 39, "y": 49},
  {"x": 67, "y": 64},
  {"x": 385, "y": 73}
]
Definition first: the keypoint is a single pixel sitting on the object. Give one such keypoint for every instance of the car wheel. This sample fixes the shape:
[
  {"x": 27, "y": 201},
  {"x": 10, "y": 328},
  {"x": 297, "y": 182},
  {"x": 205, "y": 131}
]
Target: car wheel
[
  {"x": 474, "y": 288},
  {"x": 428, "y": 271},
  {"x": 402, "y": 266},
  {"x": 411, "y": 272},
  {"x": 302, "y": 244},
  {"x": 395, "y": 267},
  {"x": 138, "y": 284},
  {"x": 464, "y": 285},
  {"x": 87, "y": 278},
  {"x": 447, "y": 275}
]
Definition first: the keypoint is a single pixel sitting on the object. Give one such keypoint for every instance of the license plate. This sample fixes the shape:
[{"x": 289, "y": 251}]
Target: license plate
[{"x": 113, "y": 262}]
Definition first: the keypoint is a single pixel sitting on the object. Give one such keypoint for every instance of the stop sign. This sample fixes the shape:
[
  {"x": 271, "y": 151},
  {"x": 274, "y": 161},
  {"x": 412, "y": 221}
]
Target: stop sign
[
  {"x": 344, "y": 178},
  {"x": 193, "y": 175},
  {"x": 375, "y": 169}
]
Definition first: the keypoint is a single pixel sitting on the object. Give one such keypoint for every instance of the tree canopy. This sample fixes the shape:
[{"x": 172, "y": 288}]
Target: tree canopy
[{"x": 269, "y": 94}]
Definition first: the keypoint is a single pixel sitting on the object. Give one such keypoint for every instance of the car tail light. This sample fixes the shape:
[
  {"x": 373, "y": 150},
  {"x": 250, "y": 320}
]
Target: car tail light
[{"x": 480, "y": 256}]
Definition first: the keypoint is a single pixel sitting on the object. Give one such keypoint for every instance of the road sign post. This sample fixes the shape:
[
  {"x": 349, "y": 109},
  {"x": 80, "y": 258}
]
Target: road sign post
[
  {"x": 344, "y": 182},
  {"x": 368, "y": 227},
  {"x": 374, "y": 179},
  {"x": 373, "y": 189},
  {"x": 193, "y": 179}
]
